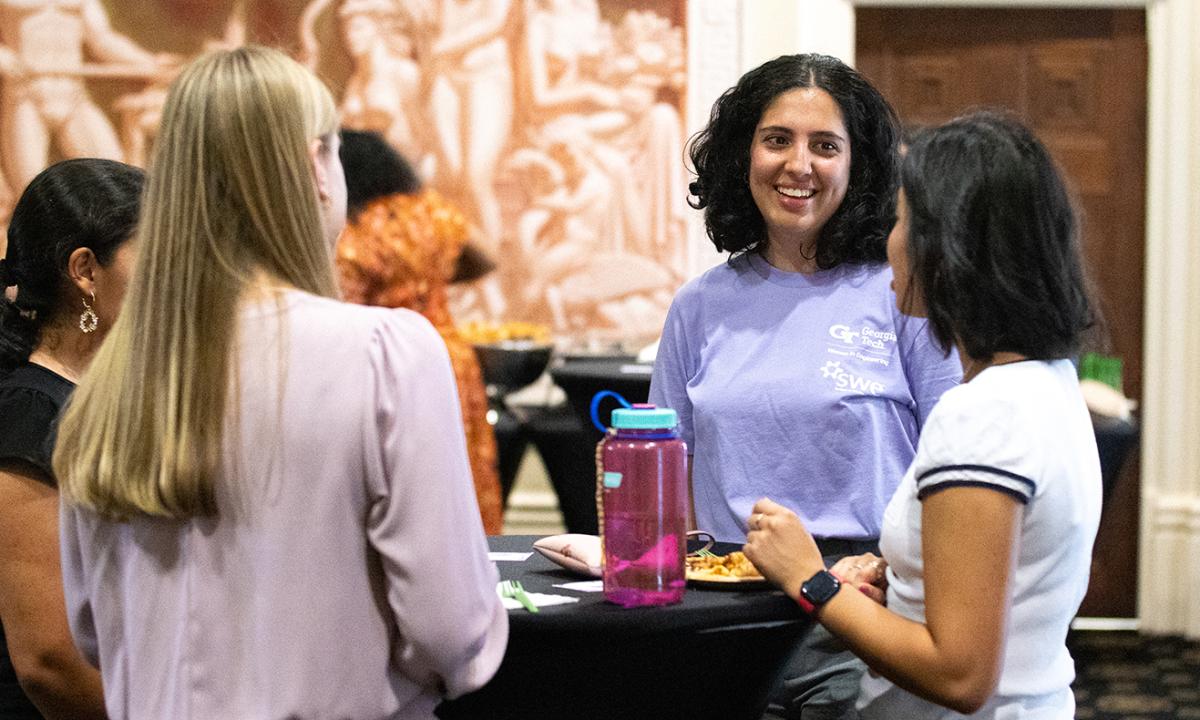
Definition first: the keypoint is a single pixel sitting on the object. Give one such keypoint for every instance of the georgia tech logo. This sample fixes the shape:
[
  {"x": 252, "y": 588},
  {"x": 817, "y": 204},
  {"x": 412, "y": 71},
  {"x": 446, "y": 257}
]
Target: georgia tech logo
[
  {"x": 843, "y": 333},
  {"x": 867, "y": 337}
]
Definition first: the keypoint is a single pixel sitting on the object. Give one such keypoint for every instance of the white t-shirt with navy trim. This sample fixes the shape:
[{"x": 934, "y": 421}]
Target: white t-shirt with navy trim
[{"x": 1021, "y": 429}]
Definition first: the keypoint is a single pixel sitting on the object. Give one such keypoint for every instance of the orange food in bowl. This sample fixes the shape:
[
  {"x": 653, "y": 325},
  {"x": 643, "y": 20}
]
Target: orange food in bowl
[{"x": 487, "y": 333}]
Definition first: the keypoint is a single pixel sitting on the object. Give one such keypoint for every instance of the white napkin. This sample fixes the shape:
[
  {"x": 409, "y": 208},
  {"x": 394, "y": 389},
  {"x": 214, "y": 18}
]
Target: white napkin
[
  {"x": 508, "y": 556},
  {"x": 583, "y": 586},
  {"x": 539, "y": 599}
]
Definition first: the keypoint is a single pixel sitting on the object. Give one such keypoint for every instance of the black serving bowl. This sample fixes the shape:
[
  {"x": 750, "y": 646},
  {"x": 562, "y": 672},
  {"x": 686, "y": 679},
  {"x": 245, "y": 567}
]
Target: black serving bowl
[{"x": 510, "y": 365}]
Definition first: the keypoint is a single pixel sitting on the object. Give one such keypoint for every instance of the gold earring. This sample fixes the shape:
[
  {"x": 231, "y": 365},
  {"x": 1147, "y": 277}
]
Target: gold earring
[{"x": 88, "y": 320}]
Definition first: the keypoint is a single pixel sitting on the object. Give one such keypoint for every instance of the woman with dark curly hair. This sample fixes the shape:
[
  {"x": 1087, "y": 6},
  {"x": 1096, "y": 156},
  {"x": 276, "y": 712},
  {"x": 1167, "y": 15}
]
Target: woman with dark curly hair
[{"x": 793, "y": 373}]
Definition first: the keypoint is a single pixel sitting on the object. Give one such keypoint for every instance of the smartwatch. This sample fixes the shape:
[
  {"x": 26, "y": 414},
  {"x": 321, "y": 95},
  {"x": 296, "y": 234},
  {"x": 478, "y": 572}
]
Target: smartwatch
[{"x": 818, "y": 590}]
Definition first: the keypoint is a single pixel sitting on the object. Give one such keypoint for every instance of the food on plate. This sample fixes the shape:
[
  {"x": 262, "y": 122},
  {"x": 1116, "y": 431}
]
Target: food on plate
[
  {"x": 734, "y": 567},
  {"x": 485, "y": 333}
]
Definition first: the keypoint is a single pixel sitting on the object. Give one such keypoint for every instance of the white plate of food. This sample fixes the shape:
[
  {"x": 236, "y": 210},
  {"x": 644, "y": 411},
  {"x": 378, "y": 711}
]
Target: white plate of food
[{"x": 724, "y": 572}]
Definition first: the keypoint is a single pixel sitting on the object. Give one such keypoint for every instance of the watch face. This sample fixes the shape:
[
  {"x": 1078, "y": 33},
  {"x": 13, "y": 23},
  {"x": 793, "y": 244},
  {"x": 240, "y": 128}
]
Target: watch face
[{"x": 820, "y": 587}]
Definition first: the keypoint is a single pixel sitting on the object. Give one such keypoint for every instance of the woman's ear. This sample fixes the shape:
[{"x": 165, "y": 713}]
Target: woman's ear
[
  {"x": 81, "y": 269},
  {"x": 316, "y": 150}
]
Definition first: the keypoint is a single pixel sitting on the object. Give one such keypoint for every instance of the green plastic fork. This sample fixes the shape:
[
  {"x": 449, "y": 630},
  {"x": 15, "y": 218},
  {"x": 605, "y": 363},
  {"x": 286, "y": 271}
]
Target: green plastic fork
[{"x": 513, "y": 589}]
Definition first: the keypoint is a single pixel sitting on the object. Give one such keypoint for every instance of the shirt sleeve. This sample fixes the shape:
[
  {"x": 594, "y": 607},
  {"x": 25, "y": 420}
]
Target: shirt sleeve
[
  {"x": 75, "y": 587},
  {"x": 929, "y": 370},
  {"x": 29, "y": 431},
  {"x": 673, "y": 368},
  {"x": 973, "y": 441},
  {"x": 424, "y": 521}
]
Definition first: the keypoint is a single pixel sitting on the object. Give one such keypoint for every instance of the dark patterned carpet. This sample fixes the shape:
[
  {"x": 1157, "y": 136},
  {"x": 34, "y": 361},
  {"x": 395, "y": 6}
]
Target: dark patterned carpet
[{"x": 1127, "y": 676}]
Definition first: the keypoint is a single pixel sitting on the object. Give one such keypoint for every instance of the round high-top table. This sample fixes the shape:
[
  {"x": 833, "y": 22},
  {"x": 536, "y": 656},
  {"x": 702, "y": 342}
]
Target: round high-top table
[{"x": 715, "y": 655}]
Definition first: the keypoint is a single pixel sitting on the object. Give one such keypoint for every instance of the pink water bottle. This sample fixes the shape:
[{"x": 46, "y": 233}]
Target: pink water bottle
[{"x": 644, "y": 501}]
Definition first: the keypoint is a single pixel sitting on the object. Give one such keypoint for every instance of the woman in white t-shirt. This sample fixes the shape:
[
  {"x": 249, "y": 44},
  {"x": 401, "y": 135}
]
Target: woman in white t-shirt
[{"x": 988, "y": 539}]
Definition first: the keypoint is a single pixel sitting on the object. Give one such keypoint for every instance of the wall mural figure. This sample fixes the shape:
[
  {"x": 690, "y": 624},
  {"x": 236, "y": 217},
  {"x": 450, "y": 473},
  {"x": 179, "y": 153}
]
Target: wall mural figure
[
  {"x": 44, "y": 104},
  {"x": 604, "y": 248},
  {"x": 556, "y": 130},
  {"x": 554, "y": 125},
  {"x": 387, "y": 89},
  {"x": 471, "y": 101}
]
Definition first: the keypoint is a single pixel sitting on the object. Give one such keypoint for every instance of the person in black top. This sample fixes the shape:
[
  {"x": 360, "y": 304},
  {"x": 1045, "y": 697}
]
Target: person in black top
[{"x": 69, "y": 257}]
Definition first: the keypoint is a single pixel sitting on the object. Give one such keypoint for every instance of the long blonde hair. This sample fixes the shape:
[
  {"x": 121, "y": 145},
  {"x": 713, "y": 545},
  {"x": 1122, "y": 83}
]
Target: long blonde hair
[{"x": 231, "y": 194}]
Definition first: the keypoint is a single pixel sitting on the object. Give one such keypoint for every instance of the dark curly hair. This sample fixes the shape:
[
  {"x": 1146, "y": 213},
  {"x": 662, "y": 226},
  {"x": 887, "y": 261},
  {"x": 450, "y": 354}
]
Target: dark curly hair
[
  {"x": 993, "y": 241},
  {"x": 86, "y": 202},
  {"x": 720, "y": 155}
]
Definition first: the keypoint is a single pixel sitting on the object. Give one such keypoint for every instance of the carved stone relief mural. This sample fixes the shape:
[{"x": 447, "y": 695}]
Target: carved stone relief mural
[
  {"x": 49, "y": 49},
  {"x": 54, "y": 55},
  {"x": 554, "y": 124}
]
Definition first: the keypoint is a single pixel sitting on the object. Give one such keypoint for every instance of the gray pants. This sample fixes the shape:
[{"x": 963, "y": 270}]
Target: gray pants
[{"x": 820, "y": 680}]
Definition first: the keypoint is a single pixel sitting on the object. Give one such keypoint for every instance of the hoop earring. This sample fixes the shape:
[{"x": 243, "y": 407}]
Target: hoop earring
[{"x": 88, "y": 320}]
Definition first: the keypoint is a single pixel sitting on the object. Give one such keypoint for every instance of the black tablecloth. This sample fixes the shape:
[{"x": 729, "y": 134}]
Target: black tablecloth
[
  {"x": 1115, "y": 440},
  {"x": 712, "y": 656}
]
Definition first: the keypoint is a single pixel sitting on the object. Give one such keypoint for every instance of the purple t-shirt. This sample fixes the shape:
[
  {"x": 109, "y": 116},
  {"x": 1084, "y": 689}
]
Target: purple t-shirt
[{"x": 809, "y": 389}]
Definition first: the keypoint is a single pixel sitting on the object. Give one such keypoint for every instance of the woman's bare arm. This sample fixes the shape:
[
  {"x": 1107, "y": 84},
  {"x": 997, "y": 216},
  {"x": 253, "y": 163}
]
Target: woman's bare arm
[
  {"x": 970, "y": 542},
  {"x": 52, "y": 672}
]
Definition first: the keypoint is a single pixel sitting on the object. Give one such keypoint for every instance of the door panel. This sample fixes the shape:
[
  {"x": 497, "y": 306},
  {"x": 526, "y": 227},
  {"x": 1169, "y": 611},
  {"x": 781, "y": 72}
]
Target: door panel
[{"x": 1078, "y": 77}]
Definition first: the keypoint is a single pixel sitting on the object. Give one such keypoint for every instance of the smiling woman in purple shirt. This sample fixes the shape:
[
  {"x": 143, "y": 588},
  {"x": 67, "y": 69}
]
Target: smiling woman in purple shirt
[
  {"x": 793, "y": 373},
  {"x": 268, "y": 509}
]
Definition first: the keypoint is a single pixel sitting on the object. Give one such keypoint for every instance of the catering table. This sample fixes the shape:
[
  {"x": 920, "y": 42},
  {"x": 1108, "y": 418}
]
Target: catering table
[{"x": 714, "y": 655}]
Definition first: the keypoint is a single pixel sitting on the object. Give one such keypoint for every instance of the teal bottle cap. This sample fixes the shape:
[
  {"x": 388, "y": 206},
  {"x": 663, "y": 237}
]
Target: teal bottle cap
[{"x": 644, "y": 417}]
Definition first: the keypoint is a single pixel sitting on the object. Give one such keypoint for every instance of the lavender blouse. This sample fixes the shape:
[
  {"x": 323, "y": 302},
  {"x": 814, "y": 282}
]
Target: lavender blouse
[{"x": 346, "y": 574}]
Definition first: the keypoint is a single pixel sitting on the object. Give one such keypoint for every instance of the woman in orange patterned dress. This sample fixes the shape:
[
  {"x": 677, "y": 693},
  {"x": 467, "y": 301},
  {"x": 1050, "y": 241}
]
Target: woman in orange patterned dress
[{"x": 402, "y": 246}]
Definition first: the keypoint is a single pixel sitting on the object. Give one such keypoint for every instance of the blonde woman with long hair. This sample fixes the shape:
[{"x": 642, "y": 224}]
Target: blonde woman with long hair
[{"x": 268, "y": 509}]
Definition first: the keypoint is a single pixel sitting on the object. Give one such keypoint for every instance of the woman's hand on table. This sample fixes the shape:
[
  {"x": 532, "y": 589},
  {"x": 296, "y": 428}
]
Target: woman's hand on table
[
  {"x": 781, "y": 547},
  {"x": 866, "y": 572}
]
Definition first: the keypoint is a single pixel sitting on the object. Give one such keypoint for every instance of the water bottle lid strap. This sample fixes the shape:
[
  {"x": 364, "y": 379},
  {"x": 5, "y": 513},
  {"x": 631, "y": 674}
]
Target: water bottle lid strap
[{"x": 595, "y": 409}]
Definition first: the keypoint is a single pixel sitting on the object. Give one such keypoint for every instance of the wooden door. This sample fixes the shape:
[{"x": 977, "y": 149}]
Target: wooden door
[{"x": 1078, "y": 77}]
